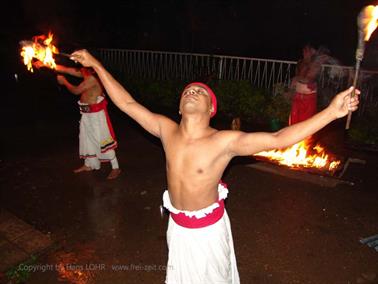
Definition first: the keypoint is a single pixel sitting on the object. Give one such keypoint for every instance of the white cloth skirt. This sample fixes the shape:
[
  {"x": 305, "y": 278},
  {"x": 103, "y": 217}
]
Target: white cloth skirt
[
  {"x": 201, "y": 256},
  {"x": 95, "y": 139}
]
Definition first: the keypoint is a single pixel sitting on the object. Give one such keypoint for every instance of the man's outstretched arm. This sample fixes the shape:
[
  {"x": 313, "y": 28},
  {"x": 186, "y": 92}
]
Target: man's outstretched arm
[
  {"x": 69, "y": 70},
  {"x": 74, "y": 89},
  {"x": 120, "y": 96},
  {"x": 243, "y": 144},
  {"x": 60, "y": 68}
]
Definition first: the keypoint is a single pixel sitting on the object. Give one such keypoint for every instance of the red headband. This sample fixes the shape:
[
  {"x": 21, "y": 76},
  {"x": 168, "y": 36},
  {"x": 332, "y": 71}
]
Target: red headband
[{"x": 210, "y": 92}]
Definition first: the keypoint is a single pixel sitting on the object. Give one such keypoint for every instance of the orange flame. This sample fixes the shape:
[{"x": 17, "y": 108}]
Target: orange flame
[
  {"x": 369, "y": 20},
  {"x": 302, "y": 155},
  {"x": 40, "y": 48}
]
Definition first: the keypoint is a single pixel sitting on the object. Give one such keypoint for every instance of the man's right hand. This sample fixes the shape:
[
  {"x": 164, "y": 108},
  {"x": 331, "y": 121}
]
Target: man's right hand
[{"x": 84, "y": 58}]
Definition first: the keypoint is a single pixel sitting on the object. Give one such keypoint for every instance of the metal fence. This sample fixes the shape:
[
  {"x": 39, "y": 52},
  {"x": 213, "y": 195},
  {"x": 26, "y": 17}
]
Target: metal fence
[{"x": 262, "y": 73}]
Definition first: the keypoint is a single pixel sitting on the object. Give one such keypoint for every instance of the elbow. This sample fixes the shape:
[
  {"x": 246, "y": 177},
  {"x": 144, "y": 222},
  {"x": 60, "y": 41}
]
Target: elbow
[
  {"x": 282, "y": 142},
  {"x": 277, "y": 141},
  {"x": 75, "y": 92}
]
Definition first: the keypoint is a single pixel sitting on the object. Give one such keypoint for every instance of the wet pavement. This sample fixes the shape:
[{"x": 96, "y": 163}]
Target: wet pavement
[
  {"x": 19, "y": 241},
  {"x": 285, "y": 230}
]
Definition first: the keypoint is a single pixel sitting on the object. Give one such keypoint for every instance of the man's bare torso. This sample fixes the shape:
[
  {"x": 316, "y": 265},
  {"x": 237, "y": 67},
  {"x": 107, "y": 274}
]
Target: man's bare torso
[
  {"x": 194, "y": 168},
  {"x": 92, "y": 91}
]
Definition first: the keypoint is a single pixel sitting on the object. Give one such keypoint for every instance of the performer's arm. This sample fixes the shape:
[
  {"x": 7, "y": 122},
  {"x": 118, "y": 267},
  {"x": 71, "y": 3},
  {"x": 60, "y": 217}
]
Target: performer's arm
[
  {"x": 69, "y": 70},
  {"x": 76, "y": 90},
  {"x": 243, "y": 144},
  {"x": 150, "y": 121},
  {"x": 60, "y": 68}
]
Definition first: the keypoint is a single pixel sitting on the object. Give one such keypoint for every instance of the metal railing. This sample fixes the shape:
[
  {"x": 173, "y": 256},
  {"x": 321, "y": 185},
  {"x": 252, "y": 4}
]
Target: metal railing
[
  {"x": 334, "y": 78},
  {"x": 262, "y": 73}
]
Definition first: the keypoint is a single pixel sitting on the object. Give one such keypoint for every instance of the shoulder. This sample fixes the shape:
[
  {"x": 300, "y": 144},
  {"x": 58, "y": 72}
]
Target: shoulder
[
  {"x": 225, "y": 136},
  {"x": 91, "y": 81},
  {"x": 166, "y": 124}
]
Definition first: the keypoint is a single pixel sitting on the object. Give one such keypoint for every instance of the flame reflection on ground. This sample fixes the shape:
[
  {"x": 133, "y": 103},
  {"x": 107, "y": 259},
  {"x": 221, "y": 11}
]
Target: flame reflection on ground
[{"x": 76, "y": 267}]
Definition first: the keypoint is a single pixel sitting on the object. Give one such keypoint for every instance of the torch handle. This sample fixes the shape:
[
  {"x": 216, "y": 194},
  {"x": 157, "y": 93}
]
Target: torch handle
[
  {"x": 353, "y": 93},
  {"x": 64, "y": 54},
  {"x": 349, "y": 118}
]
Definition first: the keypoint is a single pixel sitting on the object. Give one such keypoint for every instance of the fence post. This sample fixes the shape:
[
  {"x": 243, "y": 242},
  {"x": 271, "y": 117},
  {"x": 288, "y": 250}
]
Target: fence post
[{"x": 220, "y": 68}]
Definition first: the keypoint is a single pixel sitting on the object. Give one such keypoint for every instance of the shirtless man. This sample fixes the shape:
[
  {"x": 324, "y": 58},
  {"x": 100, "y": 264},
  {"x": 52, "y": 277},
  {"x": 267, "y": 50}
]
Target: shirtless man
[
  {"x": 199, "y": 236},
  {"x": 304, "y": 101},
  {"x": 97, "y": 139}
]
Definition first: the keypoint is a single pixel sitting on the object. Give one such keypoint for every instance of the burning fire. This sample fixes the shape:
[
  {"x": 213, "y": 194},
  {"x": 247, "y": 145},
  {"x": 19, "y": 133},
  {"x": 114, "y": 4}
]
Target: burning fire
[
  {"x": 40, "y": 48},
  {"x": 369, "y": 20},
  {"x": 302, "y": 155}
]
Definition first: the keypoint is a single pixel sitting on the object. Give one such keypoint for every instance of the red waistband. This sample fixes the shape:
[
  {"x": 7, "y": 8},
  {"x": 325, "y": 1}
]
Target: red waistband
[
  {"x": 93, "y": 107},
  {"x": 195, "y": 223},
  {"x": 305, "y": 96}
]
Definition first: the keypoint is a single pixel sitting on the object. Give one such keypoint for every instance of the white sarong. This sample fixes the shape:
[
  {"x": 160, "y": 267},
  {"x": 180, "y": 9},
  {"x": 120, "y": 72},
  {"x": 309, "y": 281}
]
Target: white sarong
[
  {"x": 96, "y": 141},
  {"x": 201, "y": 255}
]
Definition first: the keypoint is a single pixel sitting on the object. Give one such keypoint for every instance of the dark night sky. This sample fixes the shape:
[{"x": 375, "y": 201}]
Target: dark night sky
[{"x": 275, "y": 29}]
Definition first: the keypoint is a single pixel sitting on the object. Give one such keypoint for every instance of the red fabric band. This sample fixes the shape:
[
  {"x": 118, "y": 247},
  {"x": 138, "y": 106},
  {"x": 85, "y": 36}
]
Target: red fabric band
[
  {"x": 93, "y": 107},
  {"x": 195, "y": 223},
  {"x": 210, "y": 92}
]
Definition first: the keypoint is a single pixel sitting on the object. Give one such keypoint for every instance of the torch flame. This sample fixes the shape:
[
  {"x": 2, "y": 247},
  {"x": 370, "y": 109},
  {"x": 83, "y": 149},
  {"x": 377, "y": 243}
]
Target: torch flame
[
  {"x": 40, "y": 48},
  {"x": 368, "y": 20},
  {"x": 300, "y": 155}
]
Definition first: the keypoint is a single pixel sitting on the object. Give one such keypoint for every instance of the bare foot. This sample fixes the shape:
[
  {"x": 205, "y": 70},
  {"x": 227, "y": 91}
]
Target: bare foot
[
  {"x": 114, "y": 173},
  {"x": 83, "y": 168}
]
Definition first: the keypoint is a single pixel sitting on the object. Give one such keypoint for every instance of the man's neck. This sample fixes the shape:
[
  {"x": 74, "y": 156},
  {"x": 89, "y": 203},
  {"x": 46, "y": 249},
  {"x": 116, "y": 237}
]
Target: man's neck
[{"x": 194, "y": 126}]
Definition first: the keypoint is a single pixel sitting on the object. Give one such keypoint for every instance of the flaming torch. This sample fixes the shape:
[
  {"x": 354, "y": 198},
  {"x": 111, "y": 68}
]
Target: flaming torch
[
  {"x": 40, "y": 48},
  {"x": 367, "y": 22}
]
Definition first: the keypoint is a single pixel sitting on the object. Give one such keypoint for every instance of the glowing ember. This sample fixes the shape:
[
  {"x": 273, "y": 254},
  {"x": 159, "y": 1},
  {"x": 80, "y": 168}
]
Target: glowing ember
[
  {"x": 369, "y": 20},
  {"x": 73, "y": 275},
  {"x": 302, "y": 155},
  {"x": 76, "y": 267},
  {"x": 40, "y": 48}
]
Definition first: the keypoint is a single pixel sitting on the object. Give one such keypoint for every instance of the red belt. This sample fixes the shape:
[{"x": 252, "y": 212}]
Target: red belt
[
  {"x": 195, "y": 223},
  {"x": 93, "y": 107}
]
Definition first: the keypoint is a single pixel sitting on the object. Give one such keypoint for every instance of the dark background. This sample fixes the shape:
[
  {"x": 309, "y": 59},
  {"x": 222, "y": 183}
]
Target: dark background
[{"x": 275, "y": 29}]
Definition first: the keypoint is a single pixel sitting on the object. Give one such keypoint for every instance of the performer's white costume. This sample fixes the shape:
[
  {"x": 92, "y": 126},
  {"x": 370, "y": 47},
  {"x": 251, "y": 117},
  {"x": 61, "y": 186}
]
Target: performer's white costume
[
  {"x": 204, "y": 254},
  {"x": 97, "y": 140}
]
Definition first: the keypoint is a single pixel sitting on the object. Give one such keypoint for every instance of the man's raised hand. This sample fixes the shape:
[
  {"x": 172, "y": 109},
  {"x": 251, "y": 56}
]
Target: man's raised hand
[{"x": 84, "y": 58}]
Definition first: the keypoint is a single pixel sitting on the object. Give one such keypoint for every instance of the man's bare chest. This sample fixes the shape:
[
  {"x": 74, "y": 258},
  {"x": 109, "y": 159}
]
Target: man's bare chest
[{"x": 190, "y": 155}]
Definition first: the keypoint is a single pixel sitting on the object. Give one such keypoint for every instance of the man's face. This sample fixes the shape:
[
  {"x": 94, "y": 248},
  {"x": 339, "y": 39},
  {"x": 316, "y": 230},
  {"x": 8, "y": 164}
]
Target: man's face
[{"x": 195, "y": 99}]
